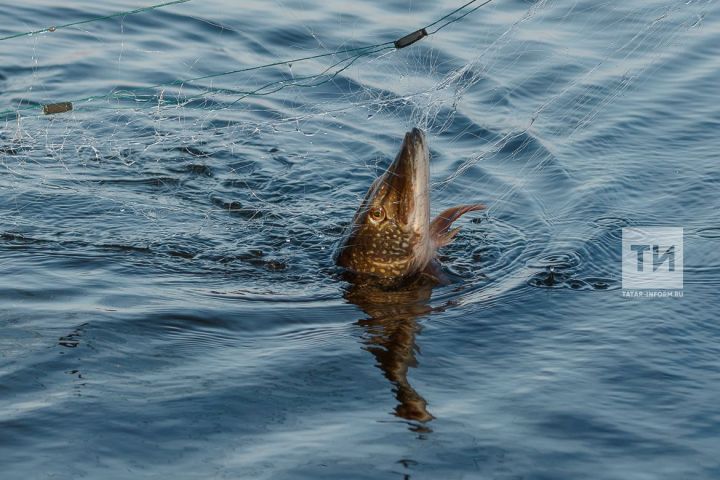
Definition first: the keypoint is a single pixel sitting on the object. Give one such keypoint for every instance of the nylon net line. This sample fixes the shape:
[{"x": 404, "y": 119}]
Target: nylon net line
[{"x": 258, "y": 167}]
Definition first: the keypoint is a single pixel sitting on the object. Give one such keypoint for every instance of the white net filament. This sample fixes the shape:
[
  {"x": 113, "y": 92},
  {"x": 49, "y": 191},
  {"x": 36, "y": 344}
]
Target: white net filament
[{"x": 162, "y": 138}]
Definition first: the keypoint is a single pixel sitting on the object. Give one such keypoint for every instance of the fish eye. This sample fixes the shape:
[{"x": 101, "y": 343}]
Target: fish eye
[{"x": 377, "y": 214}]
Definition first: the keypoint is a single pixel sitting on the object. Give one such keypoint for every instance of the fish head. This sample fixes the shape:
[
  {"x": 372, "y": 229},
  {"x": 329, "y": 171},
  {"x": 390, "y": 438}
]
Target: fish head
[{"x": 389, "y": 236}]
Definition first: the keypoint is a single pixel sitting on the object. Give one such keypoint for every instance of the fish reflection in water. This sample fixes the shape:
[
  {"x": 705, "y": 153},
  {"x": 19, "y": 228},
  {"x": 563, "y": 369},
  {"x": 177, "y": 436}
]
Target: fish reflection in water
[
  {"x": 389, "y": 255},
  {"x": 390, "y": 335}
]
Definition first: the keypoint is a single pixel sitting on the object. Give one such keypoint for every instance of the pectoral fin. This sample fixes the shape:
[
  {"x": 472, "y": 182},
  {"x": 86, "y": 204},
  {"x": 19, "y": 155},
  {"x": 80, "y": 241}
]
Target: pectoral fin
[{"x": 440, "y": 230}]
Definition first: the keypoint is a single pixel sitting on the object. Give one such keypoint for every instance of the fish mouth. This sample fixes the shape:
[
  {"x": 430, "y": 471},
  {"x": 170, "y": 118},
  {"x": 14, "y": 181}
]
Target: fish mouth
[{"x": 408, "y": 179}]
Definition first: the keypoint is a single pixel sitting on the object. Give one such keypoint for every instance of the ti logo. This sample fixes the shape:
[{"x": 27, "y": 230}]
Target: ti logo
[{"x": 652, "y": 260}]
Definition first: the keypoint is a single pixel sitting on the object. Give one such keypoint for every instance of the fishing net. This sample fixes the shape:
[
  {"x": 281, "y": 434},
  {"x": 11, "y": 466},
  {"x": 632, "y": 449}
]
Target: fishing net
[{"x": 257, "y": 168}]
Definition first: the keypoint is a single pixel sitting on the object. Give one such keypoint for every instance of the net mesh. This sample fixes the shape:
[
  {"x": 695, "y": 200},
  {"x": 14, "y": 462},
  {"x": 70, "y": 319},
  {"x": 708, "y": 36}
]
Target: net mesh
[{"x": 253, "y": 167}]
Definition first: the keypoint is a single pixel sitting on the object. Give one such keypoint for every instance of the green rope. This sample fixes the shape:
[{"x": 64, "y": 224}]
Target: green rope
[
  {"x": 359, "y": 52},
  {"x": 461, "y": 7},
  {"x": 274, "y": 64},
  {"x": 457, "y": 19},
  {"x": 94, "y": 19}
]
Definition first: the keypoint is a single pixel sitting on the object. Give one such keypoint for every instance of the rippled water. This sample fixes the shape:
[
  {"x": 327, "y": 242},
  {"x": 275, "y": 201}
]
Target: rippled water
[{"x": 170, "y": 307}]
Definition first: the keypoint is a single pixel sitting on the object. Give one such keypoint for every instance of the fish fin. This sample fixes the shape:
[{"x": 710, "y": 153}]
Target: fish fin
[{"x": 440, "y": 230}]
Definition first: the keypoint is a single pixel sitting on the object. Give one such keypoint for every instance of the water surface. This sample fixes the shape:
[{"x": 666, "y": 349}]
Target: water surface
[{"x": 170, "y": 307}]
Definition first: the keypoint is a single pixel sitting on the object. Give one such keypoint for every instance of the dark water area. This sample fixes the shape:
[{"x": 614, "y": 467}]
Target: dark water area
[{"x": 169, "y": 303}]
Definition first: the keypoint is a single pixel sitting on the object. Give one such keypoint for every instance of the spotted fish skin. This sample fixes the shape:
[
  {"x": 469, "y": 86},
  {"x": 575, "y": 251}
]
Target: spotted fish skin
[{"x": 391, "y": 235}]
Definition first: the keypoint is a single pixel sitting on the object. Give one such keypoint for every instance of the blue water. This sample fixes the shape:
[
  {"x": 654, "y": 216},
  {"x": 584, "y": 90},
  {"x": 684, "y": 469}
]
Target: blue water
[{"x": 170, "y": 308}]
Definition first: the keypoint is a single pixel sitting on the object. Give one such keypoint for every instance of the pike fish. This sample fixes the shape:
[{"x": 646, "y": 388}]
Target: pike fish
[{"x": 391, "y": 236}]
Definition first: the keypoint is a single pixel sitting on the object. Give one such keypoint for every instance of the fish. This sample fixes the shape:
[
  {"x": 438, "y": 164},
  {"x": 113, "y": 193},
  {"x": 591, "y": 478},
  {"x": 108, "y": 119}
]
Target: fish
[{"x": 391, "y": 237}]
